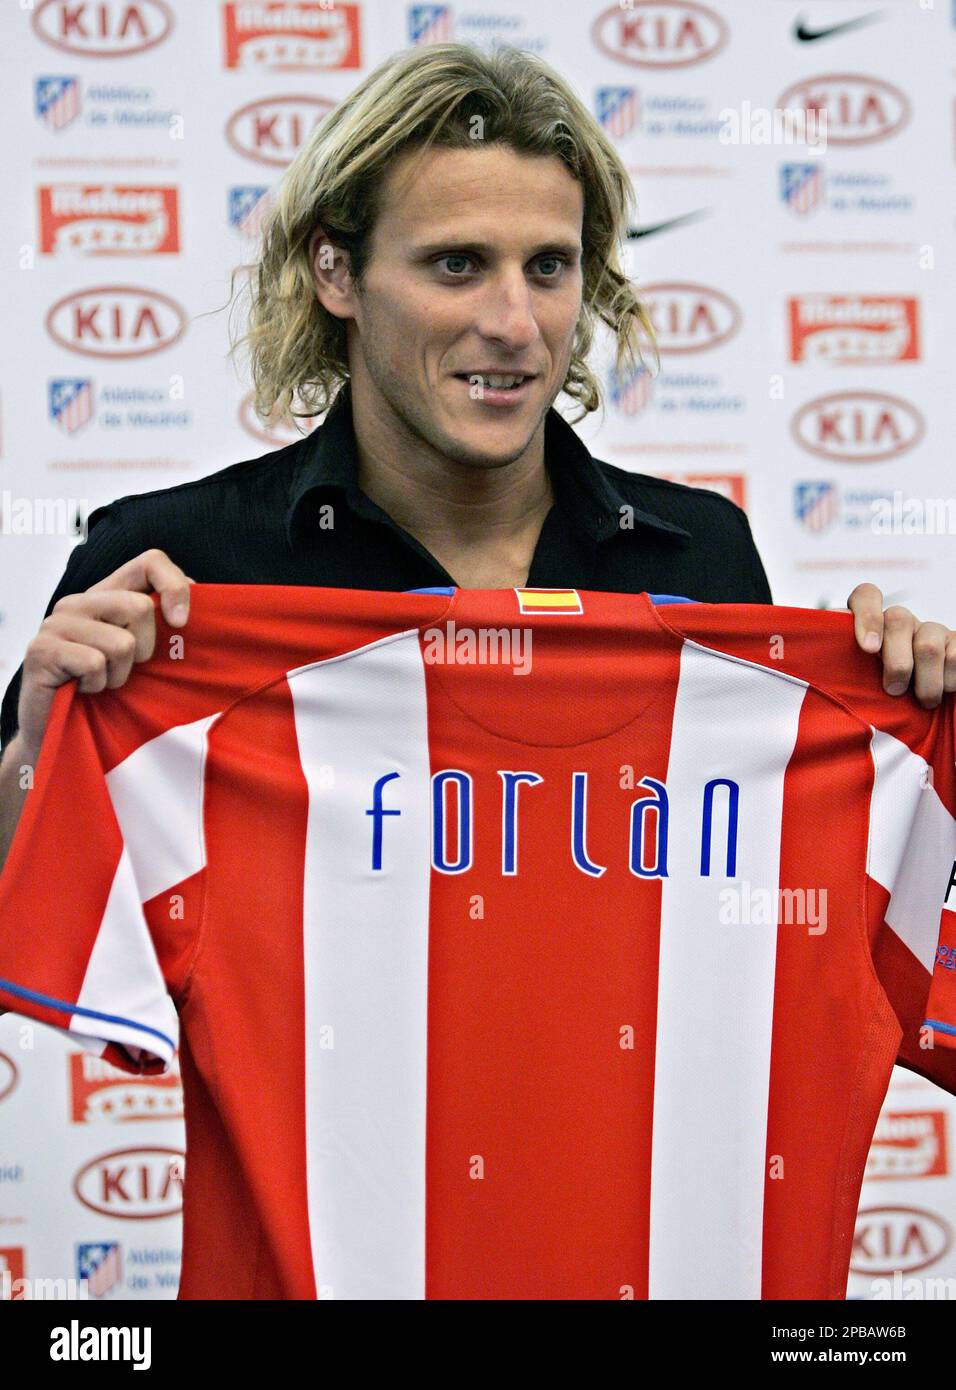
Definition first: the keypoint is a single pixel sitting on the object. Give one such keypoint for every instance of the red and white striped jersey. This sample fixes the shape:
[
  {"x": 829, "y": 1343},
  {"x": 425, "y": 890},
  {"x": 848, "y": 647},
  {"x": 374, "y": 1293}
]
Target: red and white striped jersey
[{"x": 517, "y": 944}]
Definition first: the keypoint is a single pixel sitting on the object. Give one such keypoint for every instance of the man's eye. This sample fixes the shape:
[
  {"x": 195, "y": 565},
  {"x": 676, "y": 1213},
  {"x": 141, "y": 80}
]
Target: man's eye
[
  {"x": 454, "y": 256},
  {"x": 456, "y": 270}
]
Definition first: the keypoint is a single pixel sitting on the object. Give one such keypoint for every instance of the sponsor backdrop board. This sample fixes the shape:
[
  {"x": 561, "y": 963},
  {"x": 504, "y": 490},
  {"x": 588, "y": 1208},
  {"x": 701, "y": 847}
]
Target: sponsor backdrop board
[{"x": 793, "y": 239}]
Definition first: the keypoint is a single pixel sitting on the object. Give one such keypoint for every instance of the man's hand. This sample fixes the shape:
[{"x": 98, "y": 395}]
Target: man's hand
[
  {"x": 98, "y": 636},
  {"x": 906, "y": 644}
]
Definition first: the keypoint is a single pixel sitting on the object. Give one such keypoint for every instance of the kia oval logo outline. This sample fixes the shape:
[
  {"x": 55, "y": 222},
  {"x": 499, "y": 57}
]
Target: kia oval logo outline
[
  {"x": 715, "y": 21},
  {"x": 141, "y": 292},
  {"x": 835, "y": 455},
  {"x": 926, "y": 1217},
  {"x": 285, "y": 99},
  {"x": 718, "y": 297},
  {"x": 8, "y": 1085},
  {"x": 252, "y": 425},
  {"x": 857, "y": 79},
  {"x": 165, "y": 12},
  {"x": 146, "y": 1151}
]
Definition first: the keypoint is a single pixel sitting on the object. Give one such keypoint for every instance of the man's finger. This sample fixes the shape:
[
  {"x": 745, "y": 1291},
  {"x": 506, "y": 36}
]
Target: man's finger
[
  {"x": 79, "y": 618},
  {"x": 899, "y": 624},
  {"x": 949, "y": 668},
  {"x": 866, "y": 605},
  {"x": 929, "y": 651},
  {"x": 153, "y": 571}
]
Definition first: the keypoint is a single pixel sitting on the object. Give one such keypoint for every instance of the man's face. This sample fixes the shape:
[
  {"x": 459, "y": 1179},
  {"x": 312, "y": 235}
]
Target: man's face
[{"x": 475, "y": 267}]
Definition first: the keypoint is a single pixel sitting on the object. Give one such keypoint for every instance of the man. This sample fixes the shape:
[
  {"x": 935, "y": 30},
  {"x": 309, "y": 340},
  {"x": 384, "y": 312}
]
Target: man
[{"x": 428, "y": 261}]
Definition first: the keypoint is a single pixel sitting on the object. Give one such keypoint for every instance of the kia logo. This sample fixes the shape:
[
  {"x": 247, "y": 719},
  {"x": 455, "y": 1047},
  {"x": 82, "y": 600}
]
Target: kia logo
[
  {"x": 133, "y": 1184},
  {"x": 660, "y": 33},
  {"x": 102, "y": 28},
  {"x": 9, "y": 1075},
  {"x": 888, "y": 1239},
  {"x": 278, "y": 435},
  {"x": 689, "y": 317},
  {"x": 116, "y": 321},
  {"x": 859, "y": 110},
  {"x": 858, "y": 426},
  {"x": 273, "y": 129}
]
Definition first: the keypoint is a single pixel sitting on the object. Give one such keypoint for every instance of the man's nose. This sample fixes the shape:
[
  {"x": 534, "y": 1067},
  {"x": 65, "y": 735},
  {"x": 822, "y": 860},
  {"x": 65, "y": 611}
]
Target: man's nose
[{"x": 508, "y": 310}]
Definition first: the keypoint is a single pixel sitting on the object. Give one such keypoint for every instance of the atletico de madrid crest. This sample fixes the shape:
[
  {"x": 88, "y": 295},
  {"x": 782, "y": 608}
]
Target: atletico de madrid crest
[
  {"x": 57, "y": 101},
  {"x": 801, "y": 186},
  {"x": 71, "y": 402},
  {"x": 100, "y": 1265}
]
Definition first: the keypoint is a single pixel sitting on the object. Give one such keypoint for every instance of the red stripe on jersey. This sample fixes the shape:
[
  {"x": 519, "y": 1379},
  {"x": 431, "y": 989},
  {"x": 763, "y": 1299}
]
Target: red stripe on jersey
[
  {"x": 63, "y": 822},
  {"x": 539, "y": 1110},
  {"x": 825, "y": 989},
  {"x": 245, "y": 1013}
]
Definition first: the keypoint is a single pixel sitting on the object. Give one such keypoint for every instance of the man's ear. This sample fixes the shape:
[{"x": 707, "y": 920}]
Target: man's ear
[{"x": 331, "y": 275}]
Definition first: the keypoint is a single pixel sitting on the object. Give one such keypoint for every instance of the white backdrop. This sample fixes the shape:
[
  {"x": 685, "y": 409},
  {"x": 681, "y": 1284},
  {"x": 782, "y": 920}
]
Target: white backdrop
[{"x": 802, "y": 310}]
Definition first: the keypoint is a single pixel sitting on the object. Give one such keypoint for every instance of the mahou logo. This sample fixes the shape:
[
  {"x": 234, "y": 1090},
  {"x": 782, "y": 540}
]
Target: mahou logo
[
  {"x": 102, "y": 28},
  {"x": 858, "y": 426},
  {"x": 100, "y": 1092},
  {"x": 853, "y": 329},
  {"x": 733, "y": 486},
  {"x": 660, "y": 33},
  {"x": 133, "y": 1184},
  {"x": 108, "y": 220},
  {"x": 272, "y": 130},
  {"x": 12, "y": 1269},
  {"x": 689, "y": 317},
  {"x": 9, "y": 1075},
  {"x": 292, "y": 37},
  {"x": 116, "y": 321},
  {"x": 906, "y": 1239},
  {"x": 859, "y": 110},
  {"x": 911, "y": 1145},
  {"x": 278, "y": 435}
]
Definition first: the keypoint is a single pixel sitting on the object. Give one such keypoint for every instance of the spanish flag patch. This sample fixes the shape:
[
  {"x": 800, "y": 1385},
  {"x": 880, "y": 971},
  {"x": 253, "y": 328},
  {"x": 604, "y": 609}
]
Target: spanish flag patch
[{"x": 549, "y": 601}]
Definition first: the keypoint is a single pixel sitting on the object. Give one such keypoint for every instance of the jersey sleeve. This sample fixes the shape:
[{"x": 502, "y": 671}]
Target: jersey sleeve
[
  {"x": 102, "y": 895},
  {"x": 911, "y": 888},
  {"x": 76, "y": 951},
  {"x": 910, "y": 897}
]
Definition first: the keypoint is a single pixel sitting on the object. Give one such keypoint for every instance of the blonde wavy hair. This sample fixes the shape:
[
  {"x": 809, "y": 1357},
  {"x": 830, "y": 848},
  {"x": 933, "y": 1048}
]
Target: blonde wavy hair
[{"x": 416, "y": 100}]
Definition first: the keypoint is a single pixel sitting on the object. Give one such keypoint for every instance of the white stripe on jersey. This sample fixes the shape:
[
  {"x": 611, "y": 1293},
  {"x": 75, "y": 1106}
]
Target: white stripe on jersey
[
  {"x": 123, "y": 974},
  {"x": 716, "y": 983},
  {"x": 366, "y": 968},
  {"x": 157, "y": 794},
  {"x": 912, "y": 844},
  {"x": 157, "y": 797}
]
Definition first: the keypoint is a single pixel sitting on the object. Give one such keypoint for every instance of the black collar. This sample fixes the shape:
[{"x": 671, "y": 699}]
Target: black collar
[{"x": 584, "y": 488}]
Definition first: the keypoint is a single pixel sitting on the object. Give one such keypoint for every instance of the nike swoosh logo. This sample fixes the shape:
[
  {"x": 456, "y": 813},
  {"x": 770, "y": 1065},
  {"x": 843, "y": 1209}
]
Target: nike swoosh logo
[
  {"x": 653, "y": 228},
  {"x": 804, "y": 34}
]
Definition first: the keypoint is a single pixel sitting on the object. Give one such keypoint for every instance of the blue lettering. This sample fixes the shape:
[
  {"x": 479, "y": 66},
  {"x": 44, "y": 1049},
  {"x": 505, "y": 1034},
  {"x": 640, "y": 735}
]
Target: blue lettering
[
  {"x": 509, "y": 816},
  {"x": 707, "y": 830},
  {"x": 579, "y": 827},
  {"x": 463, "y": 853},
  {"x": 639, "y": 810},
  {"x": 377, "y": 812}
]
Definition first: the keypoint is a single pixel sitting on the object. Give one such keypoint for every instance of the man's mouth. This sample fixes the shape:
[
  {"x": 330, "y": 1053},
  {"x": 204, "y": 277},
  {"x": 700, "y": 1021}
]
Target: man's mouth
[{"x": 495, "y": 381}]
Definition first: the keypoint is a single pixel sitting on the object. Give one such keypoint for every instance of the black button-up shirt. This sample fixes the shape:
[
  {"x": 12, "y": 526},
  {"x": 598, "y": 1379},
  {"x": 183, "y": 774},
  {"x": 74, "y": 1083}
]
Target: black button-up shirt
[{"x": 264, "y": 521}]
